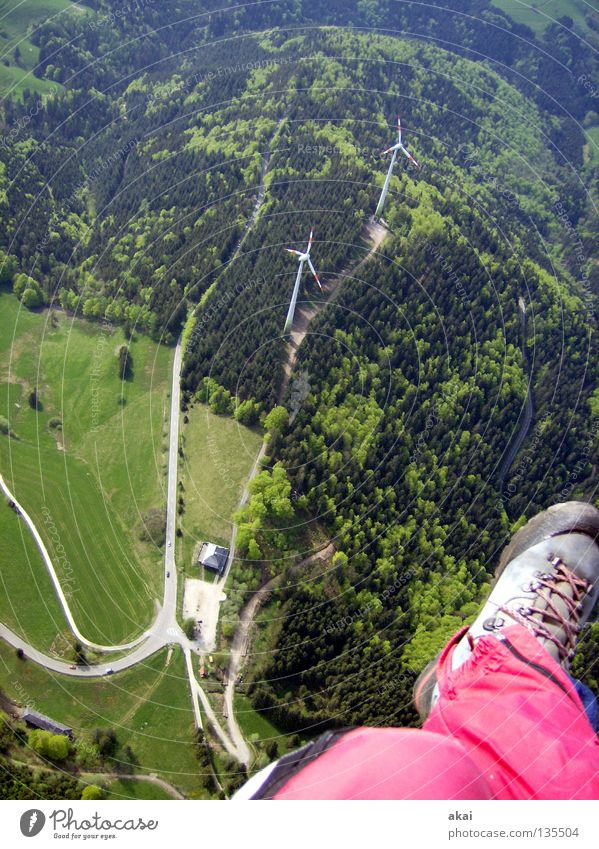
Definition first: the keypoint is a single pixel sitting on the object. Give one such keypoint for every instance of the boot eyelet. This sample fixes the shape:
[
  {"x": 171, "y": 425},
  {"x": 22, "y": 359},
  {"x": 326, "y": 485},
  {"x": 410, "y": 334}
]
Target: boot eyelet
[{"x": 493, "y": 622}]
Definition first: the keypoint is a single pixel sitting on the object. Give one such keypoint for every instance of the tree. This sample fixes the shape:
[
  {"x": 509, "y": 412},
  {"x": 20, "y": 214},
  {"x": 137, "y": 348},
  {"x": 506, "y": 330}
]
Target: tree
[
  {"x": 271, "y": 748},
  {"x": 34, "y": 400},
  {"x": 8, "y": 266},
  {"x": 254, "y": 552},
  {"x": 221, "y": 402},
  {"x": 189, "y": 628},
  {"x": 58, "y": 747},
  {"x": 79, "y": 655},
  {"x": 247, "y": 412},
  {"x": 53, "y": 746},
  {"x": 277, "y": 420},
  {"x": 125, "y": 363},
  {"x": 106, "y": 741},
  {"x": 92, "y": 792},
  {"x": 32, "y": 298},
  {"x": 28, "y": 291}
]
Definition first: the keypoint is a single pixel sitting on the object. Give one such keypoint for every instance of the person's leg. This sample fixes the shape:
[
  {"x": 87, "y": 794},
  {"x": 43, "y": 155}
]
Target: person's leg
[
  {"x": 372, "y": 763},
  {"x": 501, "y": 686},
  {"x": 505, "y": 719},
  {"x": 519, "y": 717}
]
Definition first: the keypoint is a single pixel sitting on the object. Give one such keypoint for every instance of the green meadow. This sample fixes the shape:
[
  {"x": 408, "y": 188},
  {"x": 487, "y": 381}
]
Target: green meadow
[
  {"x": 538, "y": 15},
  {"x": 148, "y": 706},
  {"x": 86, "y": 464},
  {"x": 219, "y": 455},
  {"x": 592, "y": 145},
  {"x": 18, "y": 20}
]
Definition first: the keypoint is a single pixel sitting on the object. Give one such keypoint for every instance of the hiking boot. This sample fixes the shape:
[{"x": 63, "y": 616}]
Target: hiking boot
[{"x": 547, "y": 581}]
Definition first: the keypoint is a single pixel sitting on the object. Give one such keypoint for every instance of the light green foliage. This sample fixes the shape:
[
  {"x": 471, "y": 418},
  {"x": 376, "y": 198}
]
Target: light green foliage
[
  {"x": 48, "y": 745},
  {"x": 268, "y": 508},
  {"x": 277, "y": 420},
  {"x": 92, "y": 792},
  {"x": 247, "y": 412},
  {"x": 8, "y": 265}
]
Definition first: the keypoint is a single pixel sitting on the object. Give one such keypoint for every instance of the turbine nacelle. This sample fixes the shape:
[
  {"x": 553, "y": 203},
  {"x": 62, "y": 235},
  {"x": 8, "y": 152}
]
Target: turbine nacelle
[
  {"x": 399, "y": 146},
  {"x": 305, "y": 257}
]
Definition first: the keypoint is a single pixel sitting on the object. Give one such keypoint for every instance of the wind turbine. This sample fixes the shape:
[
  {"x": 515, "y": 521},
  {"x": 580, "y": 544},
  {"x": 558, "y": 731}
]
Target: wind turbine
[
  {"x": 394, "y": 149},
  {"x": 302, "y": 258}
]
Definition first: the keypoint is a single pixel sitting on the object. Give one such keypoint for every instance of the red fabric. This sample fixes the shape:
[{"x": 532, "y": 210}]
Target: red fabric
[
  {"x": 389, "y": 763},
  {"x": 529, "y": 738},
  {"x": 501, "y": 729}
]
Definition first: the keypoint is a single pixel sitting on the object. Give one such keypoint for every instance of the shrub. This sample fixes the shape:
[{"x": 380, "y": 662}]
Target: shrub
[
  {"x": 125, "y": 363},
  {"x": 92, "y": 791},
  {"x": 189, "y": 627},
  {"x": 53, "y": 746},
  {"x": 153, "y": 527},
  {"x": 34, "y": 400}
]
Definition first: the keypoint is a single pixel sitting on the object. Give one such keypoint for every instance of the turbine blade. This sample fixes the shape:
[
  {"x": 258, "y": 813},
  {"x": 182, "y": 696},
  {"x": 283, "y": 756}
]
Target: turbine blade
[
  {"x": 389, "y": 149},
  {"x": 313, "y": 270},
  {"x": 310, "y": 241},
  {"x": 292, "y": 251},
  {"x": 410, "y": 157},
  {"x": 399, "y": 128}
]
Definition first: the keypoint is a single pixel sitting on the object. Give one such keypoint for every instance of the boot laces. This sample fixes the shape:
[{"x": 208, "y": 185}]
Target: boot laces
[{"x": 542, "y": 620}]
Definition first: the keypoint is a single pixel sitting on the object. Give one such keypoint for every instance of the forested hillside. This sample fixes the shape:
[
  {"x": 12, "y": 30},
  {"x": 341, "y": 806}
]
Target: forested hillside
[{"x": 190, "y": 147}]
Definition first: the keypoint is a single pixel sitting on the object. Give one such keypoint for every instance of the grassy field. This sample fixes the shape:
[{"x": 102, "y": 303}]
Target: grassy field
[
  {"x": 130, "y": 789},
  {"x": 28, "y": 603},
  {"x": 255, "y": 726},
  {"x": 219, "y": 455},
  {"x": 148, "y": 706},
  {"x": 17, "y": 22},
  {"x": 592, "y": 146},
  {"x": 537, "y": 14},
  {"x": 86, "y": 483}
]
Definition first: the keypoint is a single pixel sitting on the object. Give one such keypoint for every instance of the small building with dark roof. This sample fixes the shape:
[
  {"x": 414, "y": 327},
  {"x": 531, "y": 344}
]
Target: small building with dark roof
[
  {"x": 38, "y": 720},
  {"x": 213, "y": 557}
]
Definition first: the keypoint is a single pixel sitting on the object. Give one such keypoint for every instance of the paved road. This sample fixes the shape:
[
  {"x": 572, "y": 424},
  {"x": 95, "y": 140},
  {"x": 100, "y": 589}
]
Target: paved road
[{"x": 168, "y": 615}]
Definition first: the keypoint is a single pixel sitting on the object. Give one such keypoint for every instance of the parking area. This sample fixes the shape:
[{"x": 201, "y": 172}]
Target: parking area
[{"x": 201, "y": 601}]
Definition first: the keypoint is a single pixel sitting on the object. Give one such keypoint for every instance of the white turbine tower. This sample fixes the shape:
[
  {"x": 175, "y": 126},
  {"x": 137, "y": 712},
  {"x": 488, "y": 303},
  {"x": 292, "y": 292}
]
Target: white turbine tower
[
  {"x": 302, "y": 257},
  {"x": 394, "y": 149}
]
